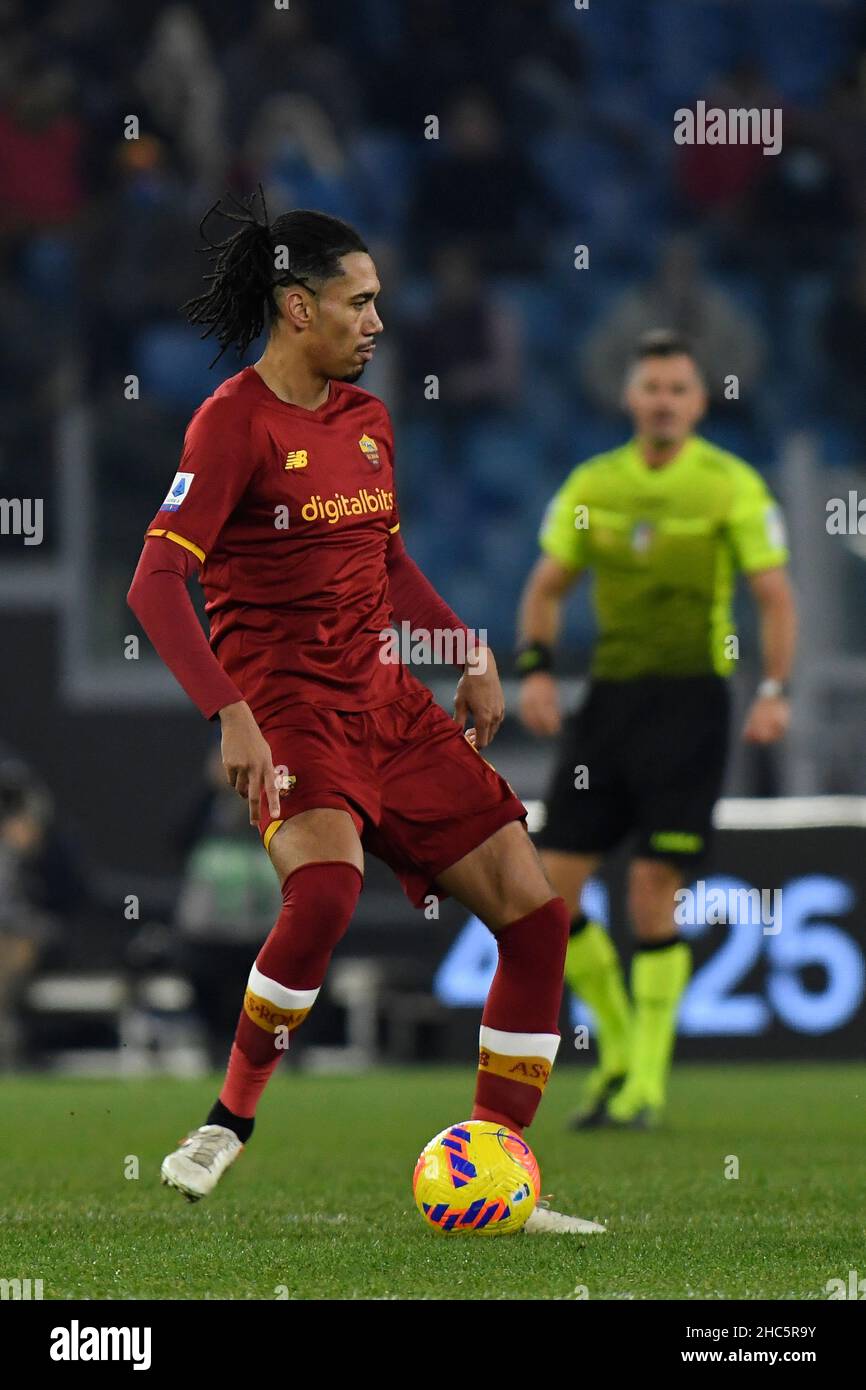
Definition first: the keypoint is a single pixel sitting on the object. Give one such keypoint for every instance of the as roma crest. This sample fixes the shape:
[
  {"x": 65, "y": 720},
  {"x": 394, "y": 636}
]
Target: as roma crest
[{"x": 370, "y": 449}]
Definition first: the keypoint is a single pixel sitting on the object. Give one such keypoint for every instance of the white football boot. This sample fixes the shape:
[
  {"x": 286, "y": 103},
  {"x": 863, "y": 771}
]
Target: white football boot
[
  {"x": 543, "y": 1221},
  {"x": 200, "y": 1160}
]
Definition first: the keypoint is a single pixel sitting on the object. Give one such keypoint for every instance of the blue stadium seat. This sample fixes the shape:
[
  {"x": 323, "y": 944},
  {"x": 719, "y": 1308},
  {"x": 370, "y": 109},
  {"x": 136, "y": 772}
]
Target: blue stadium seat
[
  {"x": 539, "y": 308},
  {"x": 593, "y": 434},
  {"x": 49, "y": 266},
  {"x": 296, "y": 184},
  {"x": 546, "y": 408},
  {"x": 503, "y": 460},
  {"x": 469, "y": 592},
  {"x": 172, "y": 364},
  {"x": 376, "y": 23},
  {"x": 801, "y": 45},
  {"x": 437, "y": 506},
  {"x": 840, "y": 443},
  {"x": 745, "y": 289},
  {"x": 738, "y": 437},
  {"x": 689, "y": 45},
  {"x": 800, "y": 335},
  {"x": 579, "y": 626},
  {"x": 383, "y": 163},
  {"x": 573, "y": 165},
  {"x": 614, "y": 34}
]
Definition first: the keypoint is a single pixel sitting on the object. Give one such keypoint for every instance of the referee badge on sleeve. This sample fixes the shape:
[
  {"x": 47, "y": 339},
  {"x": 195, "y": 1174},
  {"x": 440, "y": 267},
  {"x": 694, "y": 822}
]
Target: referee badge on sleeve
[{"x": 775, "y": 524}]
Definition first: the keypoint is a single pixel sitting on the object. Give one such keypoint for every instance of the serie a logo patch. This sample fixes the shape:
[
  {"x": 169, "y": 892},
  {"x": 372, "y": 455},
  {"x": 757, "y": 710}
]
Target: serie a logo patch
[{"x": 178, "y": 492}]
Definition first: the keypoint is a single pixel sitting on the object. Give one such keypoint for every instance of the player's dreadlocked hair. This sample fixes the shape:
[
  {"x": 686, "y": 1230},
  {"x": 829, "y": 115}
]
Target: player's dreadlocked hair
[{"x": 253, "y": 261}]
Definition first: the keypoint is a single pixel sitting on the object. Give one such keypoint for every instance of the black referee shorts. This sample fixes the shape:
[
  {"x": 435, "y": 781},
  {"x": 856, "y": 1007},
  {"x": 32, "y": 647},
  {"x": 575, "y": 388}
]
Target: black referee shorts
[{"x": 643, "y": 757}]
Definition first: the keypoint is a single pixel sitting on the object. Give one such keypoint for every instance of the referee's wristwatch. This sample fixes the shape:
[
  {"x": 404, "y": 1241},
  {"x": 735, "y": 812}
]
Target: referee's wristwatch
[{"x": 770, "y": 689}]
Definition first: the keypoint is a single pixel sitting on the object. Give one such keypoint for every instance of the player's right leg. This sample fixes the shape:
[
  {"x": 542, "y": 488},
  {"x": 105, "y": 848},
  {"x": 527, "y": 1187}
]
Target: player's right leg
[{"x": 318, "y": 858}]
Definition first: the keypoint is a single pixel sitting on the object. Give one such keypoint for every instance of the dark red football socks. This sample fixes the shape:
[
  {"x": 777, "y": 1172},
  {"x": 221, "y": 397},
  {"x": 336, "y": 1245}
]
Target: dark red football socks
[
  {"x": 318, "y": 902},
  {"x": 520, "y": 1025}
]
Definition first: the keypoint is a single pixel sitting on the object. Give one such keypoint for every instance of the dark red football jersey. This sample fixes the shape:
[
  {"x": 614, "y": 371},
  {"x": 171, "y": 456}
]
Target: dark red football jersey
[{"x": 289, "y": 511}]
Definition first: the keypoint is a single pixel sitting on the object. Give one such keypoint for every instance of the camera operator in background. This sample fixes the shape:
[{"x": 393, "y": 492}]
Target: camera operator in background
[
  {"x": 227, "y": 899},
  {"x": 41, "y": 884}
]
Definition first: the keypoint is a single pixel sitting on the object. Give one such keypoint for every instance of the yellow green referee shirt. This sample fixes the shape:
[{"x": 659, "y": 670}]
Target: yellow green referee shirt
[{"x": 665, "y": 546}]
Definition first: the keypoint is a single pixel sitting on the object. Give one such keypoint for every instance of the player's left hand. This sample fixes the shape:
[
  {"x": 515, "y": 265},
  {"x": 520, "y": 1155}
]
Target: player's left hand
[
  {"x": 767, "y": 720},
  {"x": 479, "y": 694}
]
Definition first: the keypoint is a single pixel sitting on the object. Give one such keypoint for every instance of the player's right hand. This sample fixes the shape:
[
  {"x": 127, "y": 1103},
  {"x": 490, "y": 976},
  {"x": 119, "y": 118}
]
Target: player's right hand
[
  {"x": 247, "y": 759},
  {"x": 539, "y": 703}
]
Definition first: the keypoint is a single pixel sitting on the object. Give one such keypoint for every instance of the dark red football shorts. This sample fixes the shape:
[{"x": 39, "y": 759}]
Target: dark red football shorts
[{"x": 420, "y": 795}]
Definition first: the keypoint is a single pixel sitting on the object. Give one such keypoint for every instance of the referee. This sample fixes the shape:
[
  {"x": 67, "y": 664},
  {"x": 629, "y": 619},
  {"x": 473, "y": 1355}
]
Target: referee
[{"x": 663, "y": 524}]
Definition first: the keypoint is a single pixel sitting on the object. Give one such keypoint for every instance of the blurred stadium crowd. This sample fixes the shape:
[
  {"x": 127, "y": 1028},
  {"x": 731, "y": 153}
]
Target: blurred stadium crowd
[{"x": 555, "y": 131}]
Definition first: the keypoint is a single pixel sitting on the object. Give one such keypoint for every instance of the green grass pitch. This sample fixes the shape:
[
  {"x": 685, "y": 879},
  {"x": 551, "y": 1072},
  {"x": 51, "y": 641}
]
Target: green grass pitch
[{"x": 320, "y": 1205}]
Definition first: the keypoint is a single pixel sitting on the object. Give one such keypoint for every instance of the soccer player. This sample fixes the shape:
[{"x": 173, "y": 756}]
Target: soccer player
[
  {"x": 285, "y": 505},
  {"x": 663, "y": 524}
]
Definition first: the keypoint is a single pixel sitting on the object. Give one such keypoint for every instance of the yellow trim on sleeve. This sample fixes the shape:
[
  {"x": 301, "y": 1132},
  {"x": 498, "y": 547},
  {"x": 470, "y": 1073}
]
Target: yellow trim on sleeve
[
  {"x": 181, "y": 540},
  {"x": 271, "y": 832},
  {"x": 392, "y": 529}
]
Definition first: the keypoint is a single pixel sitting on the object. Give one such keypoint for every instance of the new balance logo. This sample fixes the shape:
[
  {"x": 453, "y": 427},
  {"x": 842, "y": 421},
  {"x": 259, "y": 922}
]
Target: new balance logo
[{"x": 296, "y": 458}]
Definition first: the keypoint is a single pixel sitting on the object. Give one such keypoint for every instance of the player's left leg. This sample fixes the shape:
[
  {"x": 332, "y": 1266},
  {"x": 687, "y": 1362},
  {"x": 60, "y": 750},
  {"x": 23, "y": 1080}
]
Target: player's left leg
[
  {"x": 659, "y": 974},
  {"x": 315, "y": 849},
  {"x": 503, "y": 883},
  {"x": 318, "y": 858}
]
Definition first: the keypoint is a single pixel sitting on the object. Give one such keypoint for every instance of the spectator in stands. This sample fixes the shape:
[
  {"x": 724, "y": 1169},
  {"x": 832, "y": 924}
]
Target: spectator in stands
[
  {"x": 801, "y": 213},
  {"x": 546, "y": 65},
  {"x": 41, "y": 885},
  {"x": 483, "y": 191},
  {"x": 468, "y": 339},
  {"x": 726, "y": 340},
  {"x": 185, "y": 92},
  {"x": 283, "y": 53},
  {"x": 294, "y": 150},
  {"x": 41, "y": 140},
  {"x": 842, "y": 122},
  {"x": 140, "y": 263},
  {"x": 227, "y": 903},
  {"x": 715, "y": 180},
  {"x": 528, "y": 54},
  {"x": 41, "y": 869}
]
